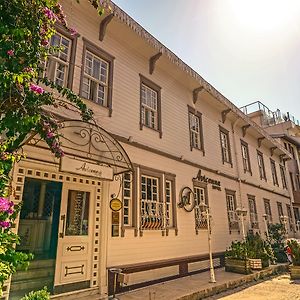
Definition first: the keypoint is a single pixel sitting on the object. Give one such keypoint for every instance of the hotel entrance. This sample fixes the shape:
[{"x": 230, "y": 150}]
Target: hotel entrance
[{"x": 56, "y": 223}]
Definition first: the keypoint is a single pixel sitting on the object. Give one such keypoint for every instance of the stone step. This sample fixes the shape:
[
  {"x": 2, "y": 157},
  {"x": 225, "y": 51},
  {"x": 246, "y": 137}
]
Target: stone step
[
  {"x": 32, "y": 284},
  {"x": 33, "y": 273}
]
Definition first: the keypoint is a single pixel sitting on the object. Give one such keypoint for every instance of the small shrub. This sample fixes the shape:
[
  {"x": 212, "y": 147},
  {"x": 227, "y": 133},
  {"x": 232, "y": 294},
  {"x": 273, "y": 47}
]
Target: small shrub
[
  {"x": 37, "y": 295},
  {"x": 295, "y": 249}
]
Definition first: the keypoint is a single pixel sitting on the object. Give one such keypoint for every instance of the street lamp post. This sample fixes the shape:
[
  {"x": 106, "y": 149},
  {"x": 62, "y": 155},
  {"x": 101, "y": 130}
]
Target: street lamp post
[
  {"x": 241, "y": 212},
  {"x": 265, "y": 216},
  {"x": 205, "y": 211}
]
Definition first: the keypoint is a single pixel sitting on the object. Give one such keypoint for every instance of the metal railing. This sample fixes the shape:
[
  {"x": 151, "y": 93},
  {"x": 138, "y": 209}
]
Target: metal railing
[{"x": 269, "y": 117}]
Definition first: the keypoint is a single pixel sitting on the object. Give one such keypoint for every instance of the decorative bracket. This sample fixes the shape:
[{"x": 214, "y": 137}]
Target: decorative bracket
[
  {"x": 272, "y": 149},
  {"x": 152, "y": 61},
  {"x": 103, "y": 26},
  {"x": 244, "y": 129},
  {"x": 196, "y": 91},
  {"x": 259, "y": 141},
  {"x": 224, "y": 113}
]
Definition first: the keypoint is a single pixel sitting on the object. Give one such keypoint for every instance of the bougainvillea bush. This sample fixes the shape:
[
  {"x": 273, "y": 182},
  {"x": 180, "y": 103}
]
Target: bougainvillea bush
[{"x": 25, "y": 29}]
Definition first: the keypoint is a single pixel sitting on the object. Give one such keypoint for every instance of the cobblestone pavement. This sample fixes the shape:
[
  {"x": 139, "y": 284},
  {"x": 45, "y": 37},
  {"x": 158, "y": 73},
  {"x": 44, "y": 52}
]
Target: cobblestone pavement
[{"x": 276, "y": 288}]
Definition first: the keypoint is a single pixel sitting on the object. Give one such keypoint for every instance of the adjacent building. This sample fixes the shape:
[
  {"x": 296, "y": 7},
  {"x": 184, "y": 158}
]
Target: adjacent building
[{"x": 164, "y": 142}]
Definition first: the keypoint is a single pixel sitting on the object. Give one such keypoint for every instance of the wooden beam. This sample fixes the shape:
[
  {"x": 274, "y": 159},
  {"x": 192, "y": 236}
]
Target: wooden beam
[
  {"x": 259, "y": 141},
  {"x": 103, "y": 26},
  {"x": 224, "y": 113},
  {"x": 272, "y": 149},
  {"x": 196, "y": 92},
  {"x": 244, "y": 129},
  {"x": 152, "y": 61}
]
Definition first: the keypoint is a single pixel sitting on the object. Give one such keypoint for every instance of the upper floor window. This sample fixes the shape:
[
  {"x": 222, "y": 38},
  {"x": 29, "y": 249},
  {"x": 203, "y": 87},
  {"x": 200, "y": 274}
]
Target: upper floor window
[
  {"x": 268, "y": 211},
  {"x": 291, "y": 150},
  {"x": 245, "y": 157},
  {"x": 150, "y": 115},
  {"x": 292, "y": 181},
  {"x": 59, "y": 66},
  {"x": 200, "y": 192},
  {"x": 298, "y": 181},
  {"x": 231, "y": 210},
  {"x": 283, "y": 178},
  {"x": 274, "y": 172},
  {"x": 225, "y": 146},
  {"x": 195, "y": 128},
  {"x": 253, "y": 212},
  {"x": 261, "y": 165},
  {"x": 96, "y": 81}
]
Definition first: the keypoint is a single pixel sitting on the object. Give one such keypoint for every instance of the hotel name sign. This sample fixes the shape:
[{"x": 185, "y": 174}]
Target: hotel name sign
[
  {"x": 68, "y": 164},
  {"x": 216, "y": 184}
]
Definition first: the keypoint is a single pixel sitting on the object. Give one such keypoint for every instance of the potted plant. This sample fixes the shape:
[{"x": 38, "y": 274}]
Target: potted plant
[
  {"x": 236, "y": 258},
  {"x": 295, "y": 267}
]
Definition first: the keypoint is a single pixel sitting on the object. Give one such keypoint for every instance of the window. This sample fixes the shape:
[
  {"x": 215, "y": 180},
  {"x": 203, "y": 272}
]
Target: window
[
  {"x": 274, "y": 172},
  {"x": 280, "y": 210},
  {"x": 268, "y": 211},
  {"x": 96, "y": 82},
  {"x": 225, "y": 146},
  {"x": 298, "y": 181},
  {"x": 59, "y": 67},
  {"x": 195, "y": 128},
  {"x": 261, "y": 165},
  {"x": 245, "y": 157},
  {"x": 283, "y": 178},
  {"x": 231, "y": 213},
  {"x": 297, "y": 217},
  {"x": 127, "y": 198},
  {"x": 253, "y": 212},
  {"x": 200, "y": 193},
  {"x": 290, "y": 218},
  {"x": 292, "y": 181},
  {"x": 157, "y": 206},
  {"x": 291, "y": 150},
  {"x": 150, "y": 115},
  {"x": 77, "y": 213}
]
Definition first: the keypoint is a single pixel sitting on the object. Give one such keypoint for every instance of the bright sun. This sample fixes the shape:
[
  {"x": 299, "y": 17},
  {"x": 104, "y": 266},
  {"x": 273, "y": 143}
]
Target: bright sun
[{"x": 265, "y": 15}]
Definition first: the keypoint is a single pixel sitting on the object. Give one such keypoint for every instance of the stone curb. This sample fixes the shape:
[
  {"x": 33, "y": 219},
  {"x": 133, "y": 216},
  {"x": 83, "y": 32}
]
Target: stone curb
[{"x": 218, "y": 288}]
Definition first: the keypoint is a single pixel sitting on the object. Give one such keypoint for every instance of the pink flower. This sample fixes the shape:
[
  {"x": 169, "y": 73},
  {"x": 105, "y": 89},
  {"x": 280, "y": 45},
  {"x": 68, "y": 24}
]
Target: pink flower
[
  {"x": 4, "y": 224},
  {"x": 10, "y": 52},
  {"x": 45, "y": 42},
  {"x": 5, "y": 205},
  {"x": 73, "y": 31},
  {"x": 49, "y": 13},
  {"x": 50, "y": 135},
  {"x": 36, "y": 89}
]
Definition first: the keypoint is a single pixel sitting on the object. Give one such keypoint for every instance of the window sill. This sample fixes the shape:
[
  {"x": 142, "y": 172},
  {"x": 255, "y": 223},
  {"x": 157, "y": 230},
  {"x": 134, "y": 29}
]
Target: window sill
[
  {"x": 156, "y": 130},
  {"x": 198, "y": 149},
  {"x": 96, "y": 106}
]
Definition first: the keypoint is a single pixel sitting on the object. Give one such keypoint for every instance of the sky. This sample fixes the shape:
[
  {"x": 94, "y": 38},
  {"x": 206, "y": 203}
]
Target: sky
[{"x": 249, "y": 50}]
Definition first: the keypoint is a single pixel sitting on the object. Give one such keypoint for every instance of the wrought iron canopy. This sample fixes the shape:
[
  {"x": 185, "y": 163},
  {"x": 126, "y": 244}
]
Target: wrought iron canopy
[{"x": 90, "y": 141}]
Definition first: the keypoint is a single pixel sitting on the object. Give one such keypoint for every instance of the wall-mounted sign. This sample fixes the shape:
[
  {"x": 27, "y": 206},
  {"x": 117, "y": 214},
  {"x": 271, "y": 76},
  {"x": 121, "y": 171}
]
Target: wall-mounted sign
[
  {"x": 186, "y": 199},
  {"x": 68, "y": 164},
  {"x": 216, "y": 184},
  {"x": 115, "y": 204}
]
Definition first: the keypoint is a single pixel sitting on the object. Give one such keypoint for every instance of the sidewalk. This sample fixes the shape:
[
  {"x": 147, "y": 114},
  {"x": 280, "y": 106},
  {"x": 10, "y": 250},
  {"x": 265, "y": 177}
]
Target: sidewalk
[{"x": 197, "y": 286}]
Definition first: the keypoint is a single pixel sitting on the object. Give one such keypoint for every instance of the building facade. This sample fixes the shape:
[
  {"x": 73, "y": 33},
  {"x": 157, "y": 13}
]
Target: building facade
[
  {"x": 286, "y": 130},
  {"x": 164, "y": 142}
]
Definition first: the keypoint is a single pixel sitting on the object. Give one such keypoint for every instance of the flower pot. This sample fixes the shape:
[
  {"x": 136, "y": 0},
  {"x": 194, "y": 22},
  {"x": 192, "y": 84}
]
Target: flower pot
[
  {"x": 241, "y": 266},
  {"x": 255, "y": 263},
  {"x": 295, "y": 272}
]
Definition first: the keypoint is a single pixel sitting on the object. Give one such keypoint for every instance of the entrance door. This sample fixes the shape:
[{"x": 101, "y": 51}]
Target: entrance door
[{"x": 74, "y": 249}]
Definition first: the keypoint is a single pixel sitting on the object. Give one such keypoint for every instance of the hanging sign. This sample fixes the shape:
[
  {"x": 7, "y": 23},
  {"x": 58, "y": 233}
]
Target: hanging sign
[
  {"x": 115, "y": 204},
  {"x": 68, "y": 164},
  {"x": 186, "y": 199}
]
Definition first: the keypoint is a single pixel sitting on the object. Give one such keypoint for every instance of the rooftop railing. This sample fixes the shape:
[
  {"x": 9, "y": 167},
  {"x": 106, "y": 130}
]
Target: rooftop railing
[{"x": 269, "y": 117}]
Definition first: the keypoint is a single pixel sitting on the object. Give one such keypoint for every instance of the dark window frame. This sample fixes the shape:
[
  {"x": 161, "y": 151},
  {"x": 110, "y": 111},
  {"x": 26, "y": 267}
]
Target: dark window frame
[
  {"x": 263, "y": 173},
  {"x": 246, "y": 168},
  {"x": 255, "y": 224},
  {"x": 274, "y": 172},
  {"x": 235, "y": 225},
  {"x": 280, "y": 210},
  {"x": 283, "y": 176},
  {"x": 197, "y": 114},
  {"x": 268, "y": 202},
  {"x": 99, "y": 52},
  {"x": 226, "y": 133},
  {"x": 149, "y": 83}
]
